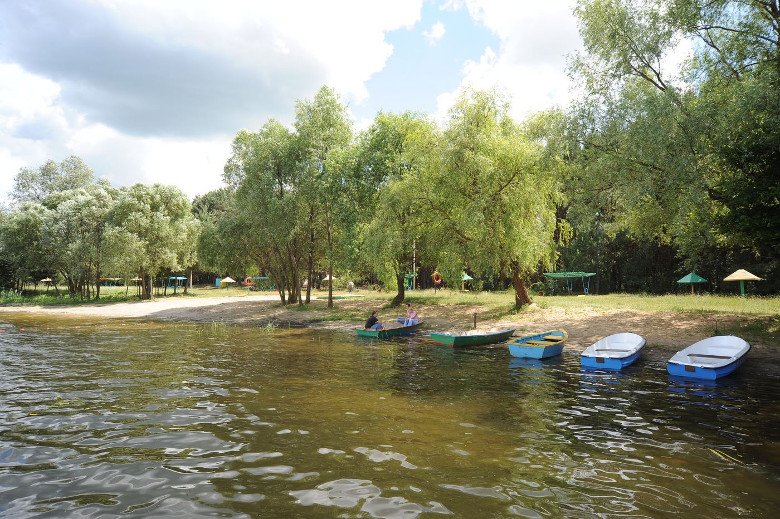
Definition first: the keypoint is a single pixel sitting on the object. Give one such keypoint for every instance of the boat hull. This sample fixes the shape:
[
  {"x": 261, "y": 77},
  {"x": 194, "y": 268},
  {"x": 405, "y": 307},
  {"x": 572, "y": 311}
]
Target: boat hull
[
  {"x": 533, "y": 352},
  {"x": 539, "y": 346},
  {"x": 449, "y": 339},
  {"x": 386, "y": 333},
  {"x": 610, "y": 363},
  {"x": 702, "y": 373}
]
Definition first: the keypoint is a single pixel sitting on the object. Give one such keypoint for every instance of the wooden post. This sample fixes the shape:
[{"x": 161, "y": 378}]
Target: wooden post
[{"x": 475, "y": 320}]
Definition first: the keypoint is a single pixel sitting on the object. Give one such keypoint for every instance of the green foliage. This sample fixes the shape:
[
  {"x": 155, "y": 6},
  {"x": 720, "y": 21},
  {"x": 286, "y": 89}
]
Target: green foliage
[
  {"x": 493, "y": 196},
  {"x": 158, "y": 220},
  {"x": 35, "y": 185},
  {"x": 685, "y": 158},
  {"x": 394, "y": 156}
]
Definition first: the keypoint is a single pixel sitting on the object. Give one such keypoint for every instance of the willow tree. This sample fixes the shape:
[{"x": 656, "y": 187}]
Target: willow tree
[
  {"x": 392, "y": 156},
  {"x": 158, "y": 220},
  {"x": 321, "y": 127},
  {"x": 491, "y": 197},
  {"x": 79, "y": 219},
  {"x": 689, "y": 154},
  {"x": 269, "y": 205}
]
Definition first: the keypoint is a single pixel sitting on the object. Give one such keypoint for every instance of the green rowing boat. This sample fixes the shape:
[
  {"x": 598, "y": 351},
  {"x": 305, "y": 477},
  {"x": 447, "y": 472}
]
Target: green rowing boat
[
  {"x": 384, "y": 333},
  {"x": 472, "y": 337}
]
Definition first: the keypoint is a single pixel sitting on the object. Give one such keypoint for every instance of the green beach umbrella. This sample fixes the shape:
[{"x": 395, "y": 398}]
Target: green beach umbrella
[
  {"x": 692, "y": 279},
  {"x": 742, "y": 275}
]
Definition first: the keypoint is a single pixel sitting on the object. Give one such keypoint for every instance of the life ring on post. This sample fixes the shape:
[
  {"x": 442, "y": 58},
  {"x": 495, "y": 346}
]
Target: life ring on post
[
  {"x": 247, "y": 281},
  {"x": 436, "y": 277}
]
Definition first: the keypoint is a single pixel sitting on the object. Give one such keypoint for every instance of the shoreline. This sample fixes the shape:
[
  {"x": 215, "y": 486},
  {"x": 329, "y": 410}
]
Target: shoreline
[{"x": 585, "y": 325}]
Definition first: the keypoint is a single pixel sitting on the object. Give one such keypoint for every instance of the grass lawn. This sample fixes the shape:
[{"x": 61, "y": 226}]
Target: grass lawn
[
  {"x": 498, "y": 301},
  {"x": 494, "y": 303}
]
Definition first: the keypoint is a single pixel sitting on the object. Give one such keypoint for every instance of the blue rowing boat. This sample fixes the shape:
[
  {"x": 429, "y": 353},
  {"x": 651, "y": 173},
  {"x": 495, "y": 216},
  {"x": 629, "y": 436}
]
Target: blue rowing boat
[
  {"x": 709, "y": 359},
  {"x": 613, "y": 352},
  {"x": 539, "y": 346}
]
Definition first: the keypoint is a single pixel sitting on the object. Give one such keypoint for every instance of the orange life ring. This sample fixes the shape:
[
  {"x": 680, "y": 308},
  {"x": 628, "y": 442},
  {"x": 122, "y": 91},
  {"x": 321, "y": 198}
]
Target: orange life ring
[
  {"x": 436, "y": 277},
  {"x": 247, "y": 281}
]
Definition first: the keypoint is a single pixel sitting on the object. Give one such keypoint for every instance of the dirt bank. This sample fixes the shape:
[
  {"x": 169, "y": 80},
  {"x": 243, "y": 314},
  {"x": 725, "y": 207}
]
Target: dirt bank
[{"x": 585, "y": 325}]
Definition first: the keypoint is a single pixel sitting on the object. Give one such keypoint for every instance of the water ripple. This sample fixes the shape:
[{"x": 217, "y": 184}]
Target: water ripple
[{"x": 152, "y": 420}]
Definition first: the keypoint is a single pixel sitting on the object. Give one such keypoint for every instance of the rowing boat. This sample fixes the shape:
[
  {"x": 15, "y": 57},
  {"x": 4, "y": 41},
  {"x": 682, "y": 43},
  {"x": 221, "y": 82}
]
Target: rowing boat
[
  {"x": 539, "y": 346},
  {"x": 710, "y": 358},
  {"x": 613, "y": 352},
  {"x": 472, "y": 337},
  {"x": 393, "y": 331}
]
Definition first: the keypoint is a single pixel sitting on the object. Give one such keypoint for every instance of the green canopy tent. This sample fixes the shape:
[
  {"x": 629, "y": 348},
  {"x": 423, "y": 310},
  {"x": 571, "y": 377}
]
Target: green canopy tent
[
  {"x": 175, "y": 282},
  {"x": 692, "y": 279},
  {"x": 570, "y": 277}
]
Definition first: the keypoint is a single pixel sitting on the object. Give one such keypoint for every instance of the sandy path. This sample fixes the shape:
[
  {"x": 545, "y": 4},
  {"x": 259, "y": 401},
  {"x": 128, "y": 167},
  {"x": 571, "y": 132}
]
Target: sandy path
[{"x": 140, "y": 308}]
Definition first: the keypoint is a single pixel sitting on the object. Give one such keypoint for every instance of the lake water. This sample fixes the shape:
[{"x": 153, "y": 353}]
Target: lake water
[{"x": 146, "y": 419}]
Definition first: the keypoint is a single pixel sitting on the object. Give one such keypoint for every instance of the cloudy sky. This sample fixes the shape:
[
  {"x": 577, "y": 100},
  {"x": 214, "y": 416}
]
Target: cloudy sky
[{"x": 150, "y": 91}]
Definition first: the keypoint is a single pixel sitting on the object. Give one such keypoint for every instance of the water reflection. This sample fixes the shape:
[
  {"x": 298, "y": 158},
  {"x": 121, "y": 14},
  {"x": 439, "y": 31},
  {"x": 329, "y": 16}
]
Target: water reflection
[{"x": 149, "y": 419}]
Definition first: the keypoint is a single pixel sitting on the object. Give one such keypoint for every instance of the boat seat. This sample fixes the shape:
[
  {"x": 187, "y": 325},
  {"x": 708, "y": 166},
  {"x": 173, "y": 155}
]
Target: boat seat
[
  {"x": 617, "y": 351},
  {"x": 532, "y": 341},
  {"x": 709, "y": 356},
  {"x": 552, "y": 337}
]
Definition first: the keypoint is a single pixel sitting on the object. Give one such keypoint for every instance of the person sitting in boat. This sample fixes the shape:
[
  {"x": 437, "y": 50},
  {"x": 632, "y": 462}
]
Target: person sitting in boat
[
  {"x": 411, "y": 316},
  {"x": 372, "y": 323}
]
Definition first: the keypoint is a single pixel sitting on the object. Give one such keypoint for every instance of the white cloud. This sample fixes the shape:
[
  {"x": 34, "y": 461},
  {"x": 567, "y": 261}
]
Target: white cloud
[
  {"x": 529, "y": 67},
  {"x": 151, "y": 91},
  {"x": 434, "y": 34},
  {"x": 35, "y": 127}
]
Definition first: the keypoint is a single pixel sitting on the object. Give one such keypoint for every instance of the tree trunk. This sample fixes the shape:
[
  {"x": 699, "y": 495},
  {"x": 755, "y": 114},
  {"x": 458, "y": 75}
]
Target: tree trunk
[
  {"x": 291, "y": 292},
  {"x": 521, "y": 293},
  {"x": 311, "y": 256},
  {"x": 330, "y": 268},
  {"x": 97, "y": 281},
  {"x": 330, "y": 286},
  {"x": 399, "y": 297},
  {"x": 146, "y": 281}
]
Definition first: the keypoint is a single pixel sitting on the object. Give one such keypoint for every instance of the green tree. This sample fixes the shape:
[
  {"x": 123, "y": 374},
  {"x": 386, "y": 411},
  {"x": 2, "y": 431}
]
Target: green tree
[
  {"x": 392, "y": 159},
  {"x": 322, "y": 127},
  {"x": 264, "y": 172},
  {"x": 493, "y": 197},
  {"x": 35, "y": 185},
  {"x": 24, "y": 242},
  {"x": 76, "y": 229},
  {"x": 683, "y": 157},
  {"x": 158, "y": 220}
]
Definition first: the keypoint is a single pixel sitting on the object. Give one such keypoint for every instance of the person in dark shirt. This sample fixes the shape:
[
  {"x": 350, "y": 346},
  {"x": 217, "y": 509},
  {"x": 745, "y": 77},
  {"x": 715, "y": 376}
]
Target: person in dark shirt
[{"x": 372, "y": 323}]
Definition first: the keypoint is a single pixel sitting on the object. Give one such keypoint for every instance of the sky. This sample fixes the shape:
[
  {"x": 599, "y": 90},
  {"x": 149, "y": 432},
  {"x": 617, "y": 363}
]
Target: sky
[{"x": 150, "y": 91}]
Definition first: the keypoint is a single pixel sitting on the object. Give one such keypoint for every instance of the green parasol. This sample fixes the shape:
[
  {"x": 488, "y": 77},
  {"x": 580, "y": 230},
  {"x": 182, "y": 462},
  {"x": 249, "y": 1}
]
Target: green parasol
[{"x": 692, "y": 279}]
